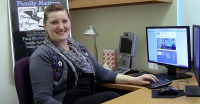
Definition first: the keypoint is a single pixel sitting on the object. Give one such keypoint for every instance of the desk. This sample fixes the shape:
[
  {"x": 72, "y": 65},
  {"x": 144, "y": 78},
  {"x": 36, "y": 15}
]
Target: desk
[{"x": 142, "y": 95}]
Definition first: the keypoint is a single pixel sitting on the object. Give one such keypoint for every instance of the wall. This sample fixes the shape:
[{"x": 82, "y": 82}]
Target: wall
[
  {"x": 112, "y": 22},
  {"x": 7, "y": 86},
  {"x": 190, "y": 12},
  {"x": 190, "y": 15}
]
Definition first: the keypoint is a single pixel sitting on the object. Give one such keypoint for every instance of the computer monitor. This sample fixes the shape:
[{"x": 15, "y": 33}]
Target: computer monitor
[
  {"x": 169, "y": 46},
  {"x": 195, "y": 90},
  {"x": 127, "y": 46}
]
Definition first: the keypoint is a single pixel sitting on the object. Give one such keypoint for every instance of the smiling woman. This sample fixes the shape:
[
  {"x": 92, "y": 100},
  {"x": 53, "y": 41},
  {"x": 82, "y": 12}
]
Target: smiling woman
[{"x": 65, "y": 65}]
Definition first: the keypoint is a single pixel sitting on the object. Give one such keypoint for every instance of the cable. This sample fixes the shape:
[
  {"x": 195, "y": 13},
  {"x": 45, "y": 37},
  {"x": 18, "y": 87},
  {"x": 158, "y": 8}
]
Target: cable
[
  {"x": 181, "y": 71},
  {"x": 164, "y": 72},
  {"x": 186, "y": 80}
]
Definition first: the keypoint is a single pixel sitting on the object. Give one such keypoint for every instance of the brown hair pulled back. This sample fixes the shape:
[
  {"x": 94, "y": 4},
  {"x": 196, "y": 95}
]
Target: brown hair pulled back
[{"x": 52, "y": 8}]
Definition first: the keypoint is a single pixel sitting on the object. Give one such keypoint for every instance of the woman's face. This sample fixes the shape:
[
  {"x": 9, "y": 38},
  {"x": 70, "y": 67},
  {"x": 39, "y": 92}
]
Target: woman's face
[{"x": 58, "y": 26}]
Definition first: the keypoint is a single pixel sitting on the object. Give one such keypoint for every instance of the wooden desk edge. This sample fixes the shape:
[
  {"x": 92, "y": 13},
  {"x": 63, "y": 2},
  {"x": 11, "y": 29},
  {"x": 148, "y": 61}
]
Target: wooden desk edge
[{"x": 120, "y": 86}]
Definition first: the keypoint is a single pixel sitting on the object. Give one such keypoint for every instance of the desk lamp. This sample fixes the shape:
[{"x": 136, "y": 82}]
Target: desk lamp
[{"x": 92, "y": 32}]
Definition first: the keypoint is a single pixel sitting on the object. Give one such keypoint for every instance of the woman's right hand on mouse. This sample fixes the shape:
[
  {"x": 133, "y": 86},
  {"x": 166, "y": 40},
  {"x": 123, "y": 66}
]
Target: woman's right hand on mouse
[
  {"x": 140, "y": 80},
  {"x": 145, "y": 79}
]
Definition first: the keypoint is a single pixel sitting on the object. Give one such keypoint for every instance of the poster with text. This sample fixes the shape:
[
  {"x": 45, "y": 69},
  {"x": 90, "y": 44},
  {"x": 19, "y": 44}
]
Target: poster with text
[{"x": 26, "y": 25}]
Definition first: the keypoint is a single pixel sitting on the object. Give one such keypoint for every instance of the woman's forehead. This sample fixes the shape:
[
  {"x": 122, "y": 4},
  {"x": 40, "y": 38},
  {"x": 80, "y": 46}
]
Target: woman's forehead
[{"x": 57, "y": 14}]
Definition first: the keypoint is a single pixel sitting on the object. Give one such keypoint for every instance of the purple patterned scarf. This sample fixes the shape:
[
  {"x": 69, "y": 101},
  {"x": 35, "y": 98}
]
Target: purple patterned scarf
[{"x": 76, "y": 57}]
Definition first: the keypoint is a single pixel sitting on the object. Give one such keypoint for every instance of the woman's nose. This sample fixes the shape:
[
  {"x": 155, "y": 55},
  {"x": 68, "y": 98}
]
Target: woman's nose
[{"x": 60, "y": 26}]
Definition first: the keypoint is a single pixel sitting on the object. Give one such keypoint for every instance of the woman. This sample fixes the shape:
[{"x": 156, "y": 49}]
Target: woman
[{"x": 63, "y": 71}]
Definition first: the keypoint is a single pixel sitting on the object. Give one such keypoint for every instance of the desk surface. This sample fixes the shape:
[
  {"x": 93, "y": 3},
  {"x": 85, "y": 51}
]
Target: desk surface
[{"x": 142, "y": 95}]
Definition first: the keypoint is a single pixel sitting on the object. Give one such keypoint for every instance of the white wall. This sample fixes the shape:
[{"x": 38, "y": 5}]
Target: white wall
[
  {"x": 189, "y": 14},
  {"x": 7, "y": 87}
]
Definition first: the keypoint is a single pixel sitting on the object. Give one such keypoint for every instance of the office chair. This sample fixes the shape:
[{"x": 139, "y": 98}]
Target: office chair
[{"x": 22, "y": 81}]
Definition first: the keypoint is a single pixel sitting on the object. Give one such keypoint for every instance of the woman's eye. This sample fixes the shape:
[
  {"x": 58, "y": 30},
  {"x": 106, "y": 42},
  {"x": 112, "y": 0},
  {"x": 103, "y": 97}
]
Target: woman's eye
[
  {"x": 53, "y": 22},
  {"x": 65, "y": 21}
]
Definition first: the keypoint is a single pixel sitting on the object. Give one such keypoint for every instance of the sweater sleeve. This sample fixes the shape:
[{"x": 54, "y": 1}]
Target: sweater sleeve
[{"x": 41, "y": 74}]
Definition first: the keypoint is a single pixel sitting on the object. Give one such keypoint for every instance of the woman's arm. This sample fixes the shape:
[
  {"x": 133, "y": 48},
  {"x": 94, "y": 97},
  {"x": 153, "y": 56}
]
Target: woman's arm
[
  {"x": 105, "y": 75},
  {"x": 41, "y": 74}
]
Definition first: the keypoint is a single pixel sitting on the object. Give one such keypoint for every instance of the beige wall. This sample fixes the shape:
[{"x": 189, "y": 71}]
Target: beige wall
[
  {"x": 7, "y": 86},
  {"x": 112, "y": 22}
]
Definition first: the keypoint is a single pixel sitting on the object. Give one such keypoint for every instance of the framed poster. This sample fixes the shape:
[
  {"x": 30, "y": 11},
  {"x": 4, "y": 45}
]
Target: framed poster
[{"x": 26, "y": 25}]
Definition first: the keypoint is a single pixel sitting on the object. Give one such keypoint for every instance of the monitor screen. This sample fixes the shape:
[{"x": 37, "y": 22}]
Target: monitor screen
[
  {"x": 169, "y": 46},
  {"x": 127, "y": 45}
]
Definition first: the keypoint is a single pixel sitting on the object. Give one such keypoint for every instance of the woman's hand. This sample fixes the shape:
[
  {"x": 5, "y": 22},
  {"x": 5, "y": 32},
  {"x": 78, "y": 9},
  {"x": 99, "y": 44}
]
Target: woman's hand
[
  {"x": 140, "y": 80},
  {"x": 145, "y": 79}
]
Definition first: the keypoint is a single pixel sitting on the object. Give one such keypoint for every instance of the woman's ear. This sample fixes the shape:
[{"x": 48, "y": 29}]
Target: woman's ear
[{"x": 44, "y": 26}]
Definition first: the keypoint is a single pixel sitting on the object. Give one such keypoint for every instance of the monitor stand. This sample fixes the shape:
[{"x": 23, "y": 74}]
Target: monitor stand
[{"x": 173, "y": 75}]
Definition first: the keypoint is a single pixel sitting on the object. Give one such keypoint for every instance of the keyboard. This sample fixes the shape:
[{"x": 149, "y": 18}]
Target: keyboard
[
  {"x": 122, "y": 70},
  {"x": 163, "y": 81},
  {"x": 125, "y": 70}
]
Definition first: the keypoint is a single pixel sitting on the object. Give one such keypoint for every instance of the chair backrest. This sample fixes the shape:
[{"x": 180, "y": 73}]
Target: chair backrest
[{"x": 22, "y": 81}]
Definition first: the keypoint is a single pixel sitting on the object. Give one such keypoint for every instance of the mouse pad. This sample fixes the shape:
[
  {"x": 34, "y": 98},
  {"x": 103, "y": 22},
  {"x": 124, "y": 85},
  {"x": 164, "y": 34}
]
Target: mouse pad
[{"x": 156, "y": 95}]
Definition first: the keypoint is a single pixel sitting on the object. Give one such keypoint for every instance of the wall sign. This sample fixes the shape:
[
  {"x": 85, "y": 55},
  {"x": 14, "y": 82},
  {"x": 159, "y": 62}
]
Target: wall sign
[{"x": 26, "y": 25}]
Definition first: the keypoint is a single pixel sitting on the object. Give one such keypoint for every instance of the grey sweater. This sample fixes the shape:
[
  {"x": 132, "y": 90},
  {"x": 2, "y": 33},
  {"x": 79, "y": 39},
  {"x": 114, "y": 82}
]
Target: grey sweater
[{"x": 41, "y": 73}]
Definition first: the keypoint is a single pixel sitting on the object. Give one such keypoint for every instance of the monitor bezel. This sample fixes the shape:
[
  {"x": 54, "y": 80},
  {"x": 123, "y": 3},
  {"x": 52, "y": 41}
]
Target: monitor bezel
[
  {"x": 194, "y": 90},
  {"x": 188, "y": 44},
  {"x": 133, "y": 45},
  {"x": 197, "y": 74}
]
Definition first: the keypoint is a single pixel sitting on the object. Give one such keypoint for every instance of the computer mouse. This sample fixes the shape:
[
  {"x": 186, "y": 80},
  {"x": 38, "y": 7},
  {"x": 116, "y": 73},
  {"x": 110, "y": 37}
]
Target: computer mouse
[{"x": 168, "y": 91}]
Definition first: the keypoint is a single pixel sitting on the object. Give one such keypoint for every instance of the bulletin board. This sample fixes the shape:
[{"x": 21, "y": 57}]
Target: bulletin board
[{"x": 26, "y": 25}]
